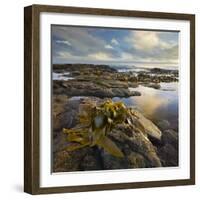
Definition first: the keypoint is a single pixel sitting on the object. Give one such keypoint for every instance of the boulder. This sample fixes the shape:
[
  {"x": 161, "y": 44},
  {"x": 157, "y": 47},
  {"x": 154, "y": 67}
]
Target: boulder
[
  {"x": 148, "y": 127},
  {"x": 130, "y": 138},
  {"x": 85, "y": 88},
  {"x": 163, "y": 125},
  {"x": 136, "y": 160},
  {"x": 152, "y": 85},
  {"x": 170, "y": 137},
  {"x": 168, "y": 155},
  {"x": 79, "y": 160}
]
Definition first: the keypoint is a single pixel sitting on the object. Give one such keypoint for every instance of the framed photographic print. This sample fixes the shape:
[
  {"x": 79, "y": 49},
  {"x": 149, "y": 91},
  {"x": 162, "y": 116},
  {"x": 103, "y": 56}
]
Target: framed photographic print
[{"x": 109, "y": 99}]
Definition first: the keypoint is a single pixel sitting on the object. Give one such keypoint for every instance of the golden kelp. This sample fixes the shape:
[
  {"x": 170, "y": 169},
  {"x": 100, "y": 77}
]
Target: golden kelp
[{"x": 95, "y": 122}]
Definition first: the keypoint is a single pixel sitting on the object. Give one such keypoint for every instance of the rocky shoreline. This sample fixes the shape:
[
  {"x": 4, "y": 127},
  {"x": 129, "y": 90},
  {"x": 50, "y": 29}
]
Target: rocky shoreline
[
  {"x": 143, "y": 143},
  {"x": 152, "y": 147},
  {"x": 103, "y": 81}
]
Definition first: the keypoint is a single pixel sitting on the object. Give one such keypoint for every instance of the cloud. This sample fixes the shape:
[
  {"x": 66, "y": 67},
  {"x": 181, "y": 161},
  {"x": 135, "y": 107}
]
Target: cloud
[
  {"x": 114, "y": 41},
  {"x": 63, "y": 42},
  {"x": 143, "y": 40},
  {"x": 92, "y": 45},
  {"x": 153, "y": 46},
  {"x": 64, "y": 54},
  {"x": 164, "y": 45},
  {"x": 108, "y": 46},
  {"x": 101, "y": 56},
  {"x": 83, "y": 41},
  {"x": 147, "y": 41}
]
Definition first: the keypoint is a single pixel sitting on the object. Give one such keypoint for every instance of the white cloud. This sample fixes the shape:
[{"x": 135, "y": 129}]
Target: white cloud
[
  {"x": 80, "y": 39},
  {"x": 138, "y": 46},
  {"x": 165, "y": 45},
  {"x": 105, "y": 57},
  {"x": 63, "y": 42},
  {"x": 108, "y": 46},
  {"x": 63, "y": 54},
  {"x": 144, "y": 40},
  {"x": 114, "y": 41},
  {"x": 101, "y": 56},
  {"x": 147, "y": 40}
]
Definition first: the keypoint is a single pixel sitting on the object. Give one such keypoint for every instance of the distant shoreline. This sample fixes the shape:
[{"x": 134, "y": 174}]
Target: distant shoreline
[
  {"x": 139, "y": 65},
  {"x": 117, "y": 68}
]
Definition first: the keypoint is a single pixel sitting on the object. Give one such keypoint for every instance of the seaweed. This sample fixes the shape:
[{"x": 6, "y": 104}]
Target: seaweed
[{"x": 95, "y": 122}]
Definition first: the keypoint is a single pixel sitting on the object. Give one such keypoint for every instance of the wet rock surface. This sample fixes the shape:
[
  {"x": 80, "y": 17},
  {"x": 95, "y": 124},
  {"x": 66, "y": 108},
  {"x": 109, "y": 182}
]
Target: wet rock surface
[
  {"x": 103, "y": 81},
  {"x": 144, "y": 144},
  {"x": 138, "y": 150},
  {"x": 152, "y": 85},
  {"x": 101, "y": 89}
]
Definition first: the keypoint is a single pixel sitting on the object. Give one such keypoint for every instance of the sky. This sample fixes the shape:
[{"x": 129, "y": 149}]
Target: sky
[{"x": 72, "y": 44}]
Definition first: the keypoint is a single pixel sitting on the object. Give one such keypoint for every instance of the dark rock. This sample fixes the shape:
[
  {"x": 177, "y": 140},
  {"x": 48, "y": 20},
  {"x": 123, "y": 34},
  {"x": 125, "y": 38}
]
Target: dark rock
[
  {"x": 170, "y": 137},
  {"x": 168, "y": 155},
  {"x": 135, "y": 93},
  {"x": 65, "y": 113},
  {"x": 83, "y": 88},
  {"x": 152, "y": 85},
  {"x": 138, "y": 150},
  {"x": 83, "y": 67},
  {"x": 136, "y": 160},
  {"x": 94, "y": 80},
  {"x": 91, "y": 161},
  {"x": 163, "y": 71},
  {"x": 168, "y": 152},
  {"x": 142, "y": 145},
  {"x": 79, "y": 160},
  {"x": 112, "y": 162},
  {"x": 137, "y": 143},
  {"x": 163, "y": 125}
]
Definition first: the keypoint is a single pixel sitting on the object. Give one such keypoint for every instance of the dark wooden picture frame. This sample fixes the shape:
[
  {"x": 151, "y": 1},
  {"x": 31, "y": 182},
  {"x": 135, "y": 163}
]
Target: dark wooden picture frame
[{"x": 32, "y": 92}]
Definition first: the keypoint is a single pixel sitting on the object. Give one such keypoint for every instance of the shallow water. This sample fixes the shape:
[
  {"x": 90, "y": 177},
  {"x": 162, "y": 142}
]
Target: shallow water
[
  {"x": 156, "y": 104},
  {"x": 61, "y": 76}
]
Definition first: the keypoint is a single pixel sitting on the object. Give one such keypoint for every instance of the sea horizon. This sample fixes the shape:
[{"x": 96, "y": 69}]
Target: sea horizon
[{"x": 129, "y": 66}]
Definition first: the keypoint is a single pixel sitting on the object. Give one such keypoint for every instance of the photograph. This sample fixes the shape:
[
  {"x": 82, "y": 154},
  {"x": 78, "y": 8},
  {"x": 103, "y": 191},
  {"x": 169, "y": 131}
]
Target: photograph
[
  {"x": 109, "y": 99},
  {"x": 114, "y": 98}
]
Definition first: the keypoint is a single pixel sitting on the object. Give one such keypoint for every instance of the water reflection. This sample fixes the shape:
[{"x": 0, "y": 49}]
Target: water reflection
[
  {"x": 62, "y": 76},
  {"x": 156, "y": 104}
]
